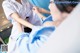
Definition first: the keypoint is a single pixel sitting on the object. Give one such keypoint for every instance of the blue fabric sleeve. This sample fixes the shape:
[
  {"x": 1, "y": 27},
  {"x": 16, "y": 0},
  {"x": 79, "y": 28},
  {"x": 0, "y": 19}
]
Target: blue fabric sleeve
[
  {"x": 30, "y": 43},
  {"x": 49, "y": 18},
  {"x": 39, "y": 36}
]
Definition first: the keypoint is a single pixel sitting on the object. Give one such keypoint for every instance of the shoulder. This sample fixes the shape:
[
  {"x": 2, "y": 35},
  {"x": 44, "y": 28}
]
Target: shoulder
[
  {"x": 8, "y": 8},
  {"x": 5, "y": 3},
  {"x": 8, "y": 5}
]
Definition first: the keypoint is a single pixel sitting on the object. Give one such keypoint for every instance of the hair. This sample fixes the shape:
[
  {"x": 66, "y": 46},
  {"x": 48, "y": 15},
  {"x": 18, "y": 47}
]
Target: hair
[{"x": 66, "y": 5}]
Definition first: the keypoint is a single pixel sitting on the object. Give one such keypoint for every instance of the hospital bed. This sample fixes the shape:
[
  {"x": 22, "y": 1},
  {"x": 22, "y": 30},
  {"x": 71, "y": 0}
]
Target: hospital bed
[{"x": 66, "y": 38}]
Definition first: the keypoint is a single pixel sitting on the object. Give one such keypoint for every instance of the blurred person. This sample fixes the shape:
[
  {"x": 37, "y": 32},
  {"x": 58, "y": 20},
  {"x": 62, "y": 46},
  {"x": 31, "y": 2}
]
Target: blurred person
[
  {"x": 18, "y": 11},
  {"x": 31, "y": 42},
  {"x": 59, "y": 11},
  {"x": 66, "y": 37},
  {"x": 57, "y": 20}
]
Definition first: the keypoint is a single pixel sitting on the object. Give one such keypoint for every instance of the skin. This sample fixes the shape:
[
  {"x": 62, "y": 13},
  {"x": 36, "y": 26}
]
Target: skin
[
  {"x": 16, "y": 17},
  {"x": 58, "y": 16}
]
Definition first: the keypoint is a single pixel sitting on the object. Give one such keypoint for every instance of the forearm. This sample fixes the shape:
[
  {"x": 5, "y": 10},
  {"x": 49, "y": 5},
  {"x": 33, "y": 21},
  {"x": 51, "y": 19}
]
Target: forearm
[
  {"x": 21, "y": 21},
  {"x": 41, "y": 16},
  {"x": 37, "y": 11},
  {"x": 25, "y": 23},
  {"x": 44, "y": 11}
]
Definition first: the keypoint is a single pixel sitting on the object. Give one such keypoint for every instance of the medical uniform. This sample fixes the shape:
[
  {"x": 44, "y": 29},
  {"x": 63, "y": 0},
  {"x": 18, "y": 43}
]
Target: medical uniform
[{"x": 24, "y": 10}]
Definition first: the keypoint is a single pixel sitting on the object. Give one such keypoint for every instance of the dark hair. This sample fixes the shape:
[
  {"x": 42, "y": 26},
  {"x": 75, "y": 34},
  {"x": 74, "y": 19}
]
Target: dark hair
[{"x": 66, "y": 5}]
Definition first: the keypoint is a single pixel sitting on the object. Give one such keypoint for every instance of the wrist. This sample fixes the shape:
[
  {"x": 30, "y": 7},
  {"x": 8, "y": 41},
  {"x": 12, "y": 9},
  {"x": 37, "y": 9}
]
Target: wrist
[{"x": 31, "y": 26}]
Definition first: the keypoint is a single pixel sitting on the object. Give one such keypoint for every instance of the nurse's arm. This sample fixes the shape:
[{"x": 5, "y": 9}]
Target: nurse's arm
[
  {"x": 35, "y": 9},
  {"x": 41, "y": 16},
  {"x": 42, "y": 10},
  {"x": 16, "y": 17}
]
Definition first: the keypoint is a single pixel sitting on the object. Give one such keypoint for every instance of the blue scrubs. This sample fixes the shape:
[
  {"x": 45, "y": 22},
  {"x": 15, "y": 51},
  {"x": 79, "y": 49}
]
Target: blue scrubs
[{"x": 41, "y": 3}]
